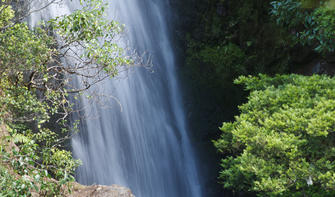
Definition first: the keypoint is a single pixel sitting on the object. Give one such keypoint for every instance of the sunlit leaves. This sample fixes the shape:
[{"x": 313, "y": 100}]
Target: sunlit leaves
[
  {"x": 6, "y": 14},
  {"x": 283, "y": 142}
]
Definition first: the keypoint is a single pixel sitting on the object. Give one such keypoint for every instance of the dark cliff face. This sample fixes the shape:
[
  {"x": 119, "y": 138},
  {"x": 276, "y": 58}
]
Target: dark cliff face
[
  {"x": 316, "y": 66},
  {"x": 185, "y": 19},
  {"x": 201, "y": 111}
]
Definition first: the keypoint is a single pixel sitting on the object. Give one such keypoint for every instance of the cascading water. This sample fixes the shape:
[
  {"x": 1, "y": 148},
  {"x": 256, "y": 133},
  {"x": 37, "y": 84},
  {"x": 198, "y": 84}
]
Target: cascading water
[{"x": 144, "y": 146}]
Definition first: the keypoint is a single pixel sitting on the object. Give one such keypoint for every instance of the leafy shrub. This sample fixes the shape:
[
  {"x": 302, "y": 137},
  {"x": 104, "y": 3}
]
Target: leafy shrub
[{"x": 283, "y": 142}]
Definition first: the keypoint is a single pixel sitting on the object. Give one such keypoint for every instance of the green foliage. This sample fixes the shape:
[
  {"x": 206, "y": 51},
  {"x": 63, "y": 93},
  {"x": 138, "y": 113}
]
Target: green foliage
[
  {"x": 228, "y": 39},
  {"x": 90, "y": 33},
  {"x": 272, "y": 37},
  {"x": 224, "y": 62},
  {"x": 13, "y": 186},
  {"x": 40, "y": 164},
  {"x": 282, "y": 143},
  {"x": 6, "y": 15},
  {"x": 37, "y": 167},
  {"x": 313, "y": 26},
  {"x": 33, "y": 48},
  {"x": 246, "y": 25},
  {"x": 281, "y": 139},
  {"x": 33, "y": 98}
]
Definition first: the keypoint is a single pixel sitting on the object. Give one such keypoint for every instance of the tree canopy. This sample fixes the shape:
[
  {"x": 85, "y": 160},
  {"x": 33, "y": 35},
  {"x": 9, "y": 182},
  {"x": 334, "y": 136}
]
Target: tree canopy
[{"x": 283, "y": 142}]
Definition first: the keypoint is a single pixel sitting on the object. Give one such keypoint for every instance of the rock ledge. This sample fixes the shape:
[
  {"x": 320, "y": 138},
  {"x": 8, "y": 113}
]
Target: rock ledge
[{"x": 101, "y": 191}]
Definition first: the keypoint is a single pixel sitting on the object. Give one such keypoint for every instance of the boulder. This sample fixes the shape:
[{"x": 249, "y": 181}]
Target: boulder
[{"x": 100, "y": 191}]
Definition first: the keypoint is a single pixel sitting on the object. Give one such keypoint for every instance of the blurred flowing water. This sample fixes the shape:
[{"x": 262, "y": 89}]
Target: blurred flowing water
[{"x": 140, "y": 138}]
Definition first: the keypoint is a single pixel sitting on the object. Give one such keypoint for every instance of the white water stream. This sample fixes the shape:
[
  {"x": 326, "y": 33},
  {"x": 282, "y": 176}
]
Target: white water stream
[{"x": 145, "y": 146}]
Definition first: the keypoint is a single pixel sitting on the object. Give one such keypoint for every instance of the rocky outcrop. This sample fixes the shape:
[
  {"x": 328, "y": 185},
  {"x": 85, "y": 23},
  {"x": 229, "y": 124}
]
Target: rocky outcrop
[
  {"x": 100, "y": 191},
  {"x": 317, "y": 66}
]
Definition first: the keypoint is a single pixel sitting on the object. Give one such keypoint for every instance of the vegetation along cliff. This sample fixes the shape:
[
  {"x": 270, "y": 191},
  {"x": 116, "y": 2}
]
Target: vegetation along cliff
[
  {"x": 35, "y": 87},
  {"x": 280, "y": 141}
]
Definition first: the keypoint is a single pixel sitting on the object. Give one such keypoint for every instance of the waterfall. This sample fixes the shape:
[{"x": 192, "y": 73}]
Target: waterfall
[{"x": 140, "y": 139}]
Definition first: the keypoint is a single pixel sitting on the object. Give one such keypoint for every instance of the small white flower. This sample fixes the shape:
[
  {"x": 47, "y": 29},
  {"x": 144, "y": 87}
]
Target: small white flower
[{"x": 309, "y": 181}]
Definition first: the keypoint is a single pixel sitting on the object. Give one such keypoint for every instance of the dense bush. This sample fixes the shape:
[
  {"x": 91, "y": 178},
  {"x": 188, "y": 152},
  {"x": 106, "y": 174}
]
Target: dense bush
[{"x": 283, "y": 142}]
